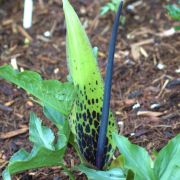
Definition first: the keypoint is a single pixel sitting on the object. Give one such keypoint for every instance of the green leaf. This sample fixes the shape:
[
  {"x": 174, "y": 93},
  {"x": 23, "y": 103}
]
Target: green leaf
[
  {"x": 110, "y": 6},
  {"x": 175, "y": 175},
  {"x": 104, "y": 10},
  {"x": 53, "y": 93},
  {"x": 68, "y": 172},
  {"x": 177, "y": 28},
  {"x": 43, "y": 154},
  {"x": 174, "y": 11},
  {"x": 6, "y": 175},
  {"x": 58, "y": 119},
  {"x": 39, "y": 157},
  {"x": 112, "y": 174},
  {"x": 135, "y": 158},
  {"x": 40, "y": 135},
  {"x": 167, "y": 163},
  {"x": 53, "y": 115},
  {"x": 118, "y": 162}
]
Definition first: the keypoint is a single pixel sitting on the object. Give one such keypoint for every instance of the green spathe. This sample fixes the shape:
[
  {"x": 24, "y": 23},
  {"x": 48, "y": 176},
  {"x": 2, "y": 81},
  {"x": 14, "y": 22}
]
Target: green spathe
[{"x": 86, "y": 112}]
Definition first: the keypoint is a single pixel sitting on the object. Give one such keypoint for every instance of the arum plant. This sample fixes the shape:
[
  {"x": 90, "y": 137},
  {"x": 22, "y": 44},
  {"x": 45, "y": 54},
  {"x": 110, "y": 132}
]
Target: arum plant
[
  {"x": 78, "y": 102},
  {"x": 87, "y": 107},
  {"x": 80, "y": 110}
]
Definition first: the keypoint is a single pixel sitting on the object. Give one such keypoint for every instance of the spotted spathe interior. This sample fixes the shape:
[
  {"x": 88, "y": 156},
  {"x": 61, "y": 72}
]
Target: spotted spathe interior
[{"x": 85, "y": 118}]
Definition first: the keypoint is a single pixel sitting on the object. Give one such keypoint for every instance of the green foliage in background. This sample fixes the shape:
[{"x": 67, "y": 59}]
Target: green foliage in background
[
  {"x": 112, "y": 6},
  {"x": 174, "y": 13}
]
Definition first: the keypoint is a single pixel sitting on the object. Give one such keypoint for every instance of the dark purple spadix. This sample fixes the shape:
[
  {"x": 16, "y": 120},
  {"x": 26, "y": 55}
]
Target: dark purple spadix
[{"x": 107, "y": 93}]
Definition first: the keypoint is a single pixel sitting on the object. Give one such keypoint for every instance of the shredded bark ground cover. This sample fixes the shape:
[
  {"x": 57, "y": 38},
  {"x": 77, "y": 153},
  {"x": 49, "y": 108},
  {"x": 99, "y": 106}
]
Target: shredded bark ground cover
[{"x": 146, "y": 84}]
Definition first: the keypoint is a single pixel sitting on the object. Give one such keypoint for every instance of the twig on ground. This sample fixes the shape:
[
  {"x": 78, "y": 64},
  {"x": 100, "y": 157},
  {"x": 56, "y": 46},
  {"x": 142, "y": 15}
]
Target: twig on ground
[{"x": 14, "y": 133}]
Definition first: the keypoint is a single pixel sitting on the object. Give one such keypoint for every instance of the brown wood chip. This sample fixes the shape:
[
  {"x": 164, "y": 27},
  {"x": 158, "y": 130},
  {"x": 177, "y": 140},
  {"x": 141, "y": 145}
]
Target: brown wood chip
[
  {"x": 149, "y": 113},
  {"x": 14, "y": 133},
  {"x": 24, "y": 33}
]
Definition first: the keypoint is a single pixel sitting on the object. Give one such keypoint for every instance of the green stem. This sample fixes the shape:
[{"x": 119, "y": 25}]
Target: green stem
[{"x": 69, "y": 173}]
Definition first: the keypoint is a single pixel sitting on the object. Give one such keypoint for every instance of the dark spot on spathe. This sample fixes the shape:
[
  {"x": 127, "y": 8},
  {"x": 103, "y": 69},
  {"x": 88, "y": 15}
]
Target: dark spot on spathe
[
  {"x": 92, "y": 100},
  {"x": 89, "y": 102},
  {"x": 94, "y": 114},
  {"x": 87, "y": 129}
]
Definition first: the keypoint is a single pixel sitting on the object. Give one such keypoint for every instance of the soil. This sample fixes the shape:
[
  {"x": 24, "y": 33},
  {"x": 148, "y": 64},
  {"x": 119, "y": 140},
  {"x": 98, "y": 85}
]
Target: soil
[{"x": 146, "y": 84}]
